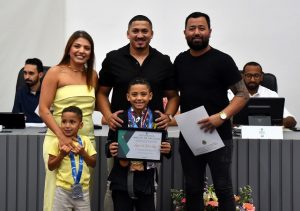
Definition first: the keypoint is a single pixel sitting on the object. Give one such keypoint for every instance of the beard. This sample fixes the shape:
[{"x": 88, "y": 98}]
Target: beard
[
  {"x": 141, "y": 47},
  {"x": 196, "y": 45},
  {"x": 252, "y": 86},
  {"x": 31, "y": 83}
]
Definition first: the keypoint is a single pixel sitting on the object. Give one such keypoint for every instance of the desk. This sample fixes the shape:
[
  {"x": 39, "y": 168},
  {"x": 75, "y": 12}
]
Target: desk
[{"x": 270, "y": 166}]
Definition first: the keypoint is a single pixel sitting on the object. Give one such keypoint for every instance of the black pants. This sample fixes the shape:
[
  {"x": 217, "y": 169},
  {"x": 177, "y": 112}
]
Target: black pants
[
  {"x": 122, "y": 201},
  {"x": 219, "y": 162}
]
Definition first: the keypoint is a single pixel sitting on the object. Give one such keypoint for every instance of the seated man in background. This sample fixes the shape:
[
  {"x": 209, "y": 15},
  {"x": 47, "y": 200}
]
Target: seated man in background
[
  {"x": 27, "y": 97},
  {"x": 253, "y": 76}
]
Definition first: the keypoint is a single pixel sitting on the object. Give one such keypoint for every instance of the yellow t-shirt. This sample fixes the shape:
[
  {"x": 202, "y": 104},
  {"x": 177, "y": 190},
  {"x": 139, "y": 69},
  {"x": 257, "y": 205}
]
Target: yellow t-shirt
[{"x": 64, "y": 177}]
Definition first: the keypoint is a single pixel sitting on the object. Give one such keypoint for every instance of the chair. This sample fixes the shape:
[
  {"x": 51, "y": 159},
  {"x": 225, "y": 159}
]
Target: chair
[
  {"x": 270, "y": 82},
  {"x": 20, "y": 80}
]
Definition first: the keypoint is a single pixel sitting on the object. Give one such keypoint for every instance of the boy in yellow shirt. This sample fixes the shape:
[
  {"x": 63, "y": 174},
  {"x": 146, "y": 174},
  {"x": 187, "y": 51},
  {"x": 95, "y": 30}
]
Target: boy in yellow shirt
[{"x": 72, "y": 163}]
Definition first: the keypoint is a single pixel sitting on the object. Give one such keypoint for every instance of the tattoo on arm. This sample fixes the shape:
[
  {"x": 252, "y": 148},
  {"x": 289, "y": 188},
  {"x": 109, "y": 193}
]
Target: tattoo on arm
[{"x": 239, "y": 89}]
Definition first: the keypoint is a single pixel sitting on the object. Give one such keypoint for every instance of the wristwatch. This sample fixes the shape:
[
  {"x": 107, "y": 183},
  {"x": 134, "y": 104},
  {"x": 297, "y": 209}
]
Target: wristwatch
[{"x": 223, "y": 115}]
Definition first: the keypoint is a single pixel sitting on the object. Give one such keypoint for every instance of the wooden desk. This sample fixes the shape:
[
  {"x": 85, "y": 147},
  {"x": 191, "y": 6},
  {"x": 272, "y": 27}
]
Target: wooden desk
[{"x": 271, "y": 167}]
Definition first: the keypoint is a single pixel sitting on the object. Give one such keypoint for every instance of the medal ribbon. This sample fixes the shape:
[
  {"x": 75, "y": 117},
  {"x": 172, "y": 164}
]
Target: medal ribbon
[
  {"x": 146, "y": 118},
  {"x": 76, "y": 176}
]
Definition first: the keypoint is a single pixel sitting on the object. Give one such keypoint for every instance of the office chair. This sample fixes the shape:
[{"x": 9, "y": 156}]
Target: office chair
[
  {"x": 270, "y": 82},
  {"x": 20, "y": 80}
]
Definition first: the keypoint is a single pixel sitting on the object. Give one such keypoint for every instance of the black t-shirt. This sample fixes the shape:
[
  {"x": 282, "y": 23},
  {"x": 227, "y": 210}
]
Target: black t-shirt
[
  {"x": 204, "y": 80},
  {"x": 119, "y": 68}
]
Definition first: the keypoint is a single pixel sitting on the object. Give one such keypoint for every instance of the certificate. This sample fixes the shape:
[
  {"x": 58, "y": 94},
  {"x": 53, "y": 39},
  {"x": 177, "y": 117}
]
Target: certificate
[
  {"x": 200, "y": 142},
  {"x": 139, "y": 143}
]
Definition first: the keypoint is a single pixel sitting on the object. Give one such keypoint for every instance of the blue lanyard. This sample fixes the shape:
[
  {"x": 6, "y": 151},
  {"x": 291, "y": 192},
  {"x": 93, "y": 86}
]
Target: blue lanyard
[
  {"x": 147, "y": 117},
  {"x": 77, "y": 176}
]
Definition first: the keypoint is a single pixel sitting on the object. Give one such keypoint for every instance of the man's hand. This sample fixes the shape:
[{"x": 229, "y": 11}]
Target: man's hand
[
  {"x": 114, "y": 121},
  {"x": 163, "y": 121},
  {"x": 210, "y": 123},
  {"x": 289, "y": 122}
]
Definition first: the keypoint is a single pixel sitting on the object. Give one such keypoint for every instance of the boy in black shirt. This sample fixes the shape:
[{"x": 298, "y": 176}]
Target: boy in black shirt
[{"x": 139, "y": 115}]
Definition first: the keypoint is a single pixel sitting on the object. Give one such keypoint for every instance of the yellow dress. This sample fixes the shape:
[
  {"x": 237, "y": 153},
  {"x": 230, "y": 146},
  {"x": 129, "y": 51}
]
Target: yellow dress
[{"x": 70, "y": 95}]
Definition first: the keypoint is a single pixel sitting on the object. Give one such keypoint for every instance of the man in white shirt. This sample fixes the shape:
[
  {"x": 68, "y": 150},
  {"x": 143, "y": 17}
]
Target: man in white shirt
[{"x": 253, "y": 76}]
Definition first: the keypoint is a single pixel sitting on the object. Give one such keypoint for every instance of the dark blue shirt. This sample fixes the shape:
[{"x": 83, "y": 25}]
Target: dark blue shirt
[{"x": 26, "y": 102}]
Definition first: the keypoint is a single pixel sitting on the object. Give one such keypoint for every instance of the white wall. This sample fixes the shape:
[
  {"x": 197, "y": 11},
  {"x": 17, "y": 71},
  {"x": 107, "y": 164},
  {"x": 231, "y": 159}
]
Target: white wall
[
  {"x": 29, "y": 28},
  {"x": 260, "y": 30}
]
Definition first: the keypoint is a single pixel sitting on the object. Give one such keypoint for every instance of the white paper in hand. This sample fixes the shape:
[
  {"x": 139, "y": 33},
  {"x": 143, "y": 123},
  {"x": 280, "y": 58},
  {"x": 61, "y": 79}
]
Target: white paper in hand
[{"x": 198, "y": 141}]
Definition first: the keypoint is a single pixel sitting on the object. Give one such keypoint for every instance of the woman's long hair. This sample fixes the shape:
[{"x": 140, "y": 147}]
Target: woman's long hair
[{"x": 90, "y": 63}]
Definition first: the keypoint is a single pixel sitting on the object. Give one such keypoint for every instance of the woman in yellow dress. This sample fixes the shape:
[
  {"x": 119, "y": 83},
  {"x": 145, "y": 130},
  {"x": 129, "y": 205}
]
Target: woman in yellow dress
[{"x": 72, "y": 82}]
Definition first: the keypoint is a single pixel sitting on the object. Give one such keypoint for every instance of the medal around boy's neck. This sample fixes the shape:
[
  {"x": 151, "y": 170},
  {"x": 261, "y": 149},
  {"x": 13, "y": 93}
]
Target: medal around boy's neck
[
  {"x": 139, "y": 113},
  {"x": 145, "y": 120}
]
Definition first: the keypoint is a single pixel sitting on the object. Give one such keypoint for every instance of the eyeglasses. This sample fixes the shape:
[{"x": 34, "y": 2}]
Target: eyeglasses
[{"x": 255, "y": 76}]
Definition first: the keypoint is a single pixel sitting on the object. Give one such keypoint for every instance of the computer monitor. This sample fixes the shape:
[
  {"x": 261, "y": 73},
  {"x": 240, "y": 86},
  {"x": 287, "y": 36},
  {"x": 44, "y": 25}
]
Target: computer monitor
[
  {"x": 263, "y": 111},
  {"x": 11, "y": 120}
]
